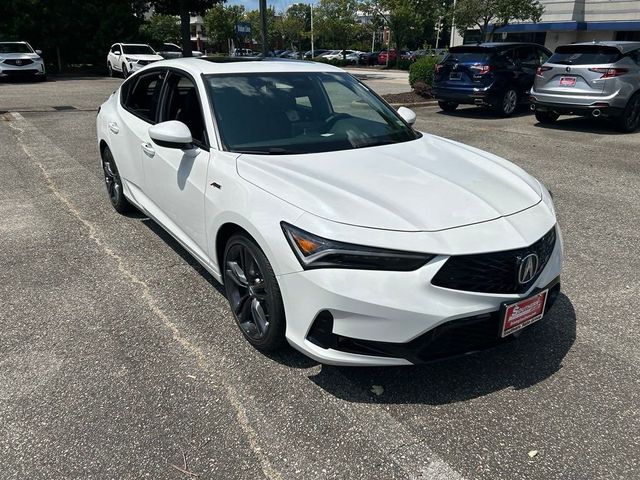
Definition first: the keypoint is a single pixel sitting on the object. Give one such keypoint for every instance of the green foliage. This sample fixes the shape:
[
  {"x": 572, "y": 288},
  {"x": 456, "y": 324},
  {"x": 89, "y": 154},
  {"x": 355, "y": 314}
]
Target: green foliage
[
  {"x": 422, "y": 70},
  {"x": 79, "y": 31},
  {"x": 220, "y": 24},
  {"x": 336, "y": 24},
  {"x": 160, "y": 28},
  {"x": 482, "y": 13}
]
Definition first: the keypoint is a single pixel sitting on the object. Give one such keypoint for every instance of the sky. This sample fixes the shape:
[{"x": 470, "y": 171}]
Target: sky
[{"x": 279, "y": 5}]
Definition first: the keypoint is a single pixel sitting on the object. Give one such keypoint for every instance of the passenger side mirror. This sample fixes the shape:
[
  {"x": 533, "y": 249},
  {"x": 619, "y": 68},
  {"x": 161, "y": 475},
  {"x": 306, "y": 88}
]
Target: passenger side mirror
[
  {"x": 171, "y": 134},
  {"x": 38, "y": 52},
  {"x": 407, "y": 115}
]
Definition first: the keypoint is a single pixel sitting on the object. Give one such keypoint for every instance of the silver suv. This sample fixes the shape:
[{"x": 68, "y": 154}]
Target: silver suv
[{"x": 593, "y": 79}]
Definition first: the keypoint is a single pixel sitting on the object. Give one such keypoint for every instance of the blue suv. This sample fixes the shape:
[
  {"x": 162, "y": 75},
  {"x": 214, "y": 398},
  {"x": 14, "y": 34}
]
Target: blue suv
[{"x": 495, "y": 75}]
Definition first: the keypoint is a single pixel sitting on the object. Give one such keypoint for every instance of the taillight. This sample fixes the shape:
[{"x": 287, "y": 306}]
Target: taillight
[
  {"x": 609, "y": 72},
  {"x": 438, "y": 67},
  {"x": 483, "y": 69},
  {"x": 540, "y": 70}
]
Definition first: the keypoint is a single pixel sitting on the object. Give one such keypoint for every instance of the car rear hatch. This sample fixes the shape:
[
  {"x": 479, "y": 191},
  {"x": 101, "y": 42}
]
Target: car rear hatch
[
  {"x": 465, "y": 67},
  {"x": 577, "y": 70}
]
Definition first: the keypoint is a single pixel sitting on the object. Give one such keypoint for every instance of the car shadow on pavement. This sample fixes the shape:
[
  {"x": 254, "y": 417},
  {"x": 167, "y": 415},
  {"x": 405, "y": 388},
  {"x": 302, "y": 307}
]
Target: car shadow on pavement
[
  {"x": 470, "y": 111},
  {"x": 533, "y": 357},
  {"x": 582, "y": 125}
]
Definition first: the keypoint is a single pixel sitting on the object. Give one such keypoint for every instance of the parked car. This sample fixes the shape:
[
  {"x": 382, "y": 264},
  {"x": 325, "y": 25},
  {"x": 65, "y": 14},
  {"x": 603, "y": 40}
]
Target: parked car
[
  {"x": 127, "y": 58},
  {"x": 18, "y": 59},
  {"x": 316, "y": 52},
  {"x": 369, "y": 58},
  {"x": 494, "y": 75},
  {"x": 590, "y": 79},
  {"x": 281, "y": 201},
  {"x": 169, "y": 50},
  {"x": 243, "y": 52},
  {"x": 383, "y": 54}
]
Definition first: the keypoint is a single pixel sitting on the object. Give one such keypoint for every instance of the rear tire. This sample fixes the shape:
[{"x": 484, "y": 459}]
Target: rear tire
[
  {"x": 546, "y": 117},
  {"x": 507, "y": 105},
  {"x": 253, "y": 293},
  {"x": 113, "y": 183},
  {"x": 629, "y": 121},
  {"x": 448, "y": 106}
]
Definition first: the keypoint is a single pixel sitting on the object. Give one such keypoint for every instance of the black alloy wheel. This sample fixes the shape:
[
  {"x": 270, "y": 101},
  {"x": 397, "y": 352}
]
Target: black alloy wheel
[
  {"x": 113, "y": 183},
  {"x": 253, "y": 293},
  {"x": 508, "y": 104},
  {"x": 629, "y": 121},
  {"x": 110, "y": 69},
  {"x": 125, "y": 71}
]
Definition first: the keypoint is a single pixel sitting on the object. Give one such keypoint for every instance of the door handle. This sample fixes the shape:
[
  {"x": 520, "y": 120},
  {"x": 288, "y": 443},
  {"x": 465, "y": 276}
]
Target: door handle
[
  {"x": 113, "y": 126},
  {"x": 148, "y": 149}
]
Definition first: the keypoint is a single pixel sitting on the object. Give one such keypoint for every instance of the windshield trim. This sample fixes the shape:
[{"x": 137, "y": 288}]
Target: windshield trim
[{"x": 222, "y": 145}]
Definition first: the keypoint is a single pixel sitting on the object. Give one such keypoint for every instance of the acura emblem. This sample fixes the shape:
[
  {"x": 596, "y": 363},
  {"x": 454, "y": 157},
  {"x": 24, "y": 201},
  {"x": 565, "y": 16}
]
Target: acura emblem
[
  {"x": 528, "y": 268},
  {"x": 18, "y": 62}
]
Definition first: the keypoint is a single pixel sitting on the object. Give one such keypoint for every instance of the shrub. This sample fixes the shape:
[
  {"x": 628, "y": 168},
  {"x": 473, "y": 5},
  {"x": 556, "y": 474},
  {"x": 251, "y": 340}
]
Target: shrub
[
  {"x": 422, "y": 89},
  {"x": 423, "y": 70}
]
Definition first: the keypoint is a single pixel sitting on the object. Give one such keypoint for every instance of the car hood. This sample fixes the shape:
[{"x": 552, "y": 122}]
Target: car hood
[
  {"x": 427, "y": 184},
  {"x": 19, "y": 56},
  {"x": 148, "y": 58}
]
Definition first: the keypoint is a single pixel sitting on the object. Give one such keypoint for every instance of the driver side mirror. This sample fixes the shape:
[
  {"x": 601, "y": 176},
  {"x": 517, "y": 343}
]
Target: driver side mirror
[
  {"x": 407, "y": 115},
  {"x": 171, "y": 134}
]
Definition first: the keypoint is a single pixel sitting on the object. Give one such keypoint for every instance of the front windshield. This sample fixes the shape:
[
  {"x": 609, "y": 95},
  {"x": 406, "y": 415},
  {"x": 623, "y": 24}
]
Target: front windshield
[
  {"x": 15, "y": 48},
  {"x": 170, "y": 47},
  {"x": 289, "y": 113},
  {"x": 138, "y": 50}
]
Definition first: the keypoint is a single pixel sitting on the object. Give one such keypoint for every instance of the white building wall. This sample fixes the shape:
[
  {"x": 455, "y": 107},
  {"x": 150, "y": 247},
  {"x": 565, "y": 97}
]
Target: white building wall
[{"x": 611, "y": 10}]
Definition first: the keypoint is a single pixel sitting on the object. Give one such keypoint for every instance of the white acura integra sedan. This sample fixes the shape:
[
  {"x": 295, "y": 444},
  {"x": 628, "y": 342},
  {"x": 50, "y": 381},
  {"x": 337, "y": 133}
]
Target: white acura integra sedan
[{"x": 330, "y": 221}]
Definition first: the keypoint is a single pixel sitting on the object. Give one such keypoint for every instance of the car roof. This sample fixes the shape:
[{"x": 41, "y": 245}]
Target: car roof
[
  {"x": 213, "y": 65},
  {"x": 623, "y": 46},
  {"x": 498, "y": 45}
]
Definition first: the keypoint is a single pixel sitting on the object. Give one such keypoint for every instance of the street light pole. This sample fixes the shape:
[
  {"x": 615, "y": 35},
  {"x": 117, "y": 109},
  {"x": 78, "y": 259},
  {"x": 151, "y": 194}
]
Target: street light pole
[
  {"x": 453, "y": 25},
  {"x": 263, "y": 26},
  {"x": 312, "y": 52}
]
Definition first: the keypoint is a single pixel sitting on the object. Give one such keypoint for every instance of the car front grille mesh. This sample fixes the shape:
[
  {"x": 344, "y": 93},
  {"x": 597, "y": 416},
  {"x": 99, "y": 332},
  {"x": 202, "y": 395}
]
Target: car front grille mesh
[
  {"x": 18, "y": 62},
  {"x": 495, "y": 272}
]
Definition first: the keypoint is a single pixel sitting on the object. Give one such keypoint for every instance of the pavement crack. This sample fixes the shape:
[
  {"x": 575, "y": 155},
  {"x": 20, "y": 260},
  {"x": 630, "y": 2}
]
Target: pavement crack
[{"x": 242, "y": 418}]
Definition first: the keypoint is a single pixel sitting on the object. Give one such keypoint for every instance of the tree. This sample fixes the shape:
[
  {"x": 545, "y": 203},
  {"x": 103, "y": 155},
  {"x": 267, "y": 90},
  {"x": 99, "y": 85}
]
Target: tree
[
  {"x": 220, "y": 24},
  {"x": 160, "y": 28},
  {"x": 253, "y": 17},
  {"x": 488, "y": 15},
  {"x": 295, "y": 24},
  {"x": 336, "y": 24},
  {"x": 184, "y": 8}
]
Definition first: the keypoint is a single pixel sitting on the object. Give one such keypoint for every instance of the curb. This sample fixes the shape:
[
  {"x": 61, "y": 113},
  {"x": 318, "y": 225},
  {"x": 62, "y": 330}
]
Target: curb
[{"x": 415, "y": 104}]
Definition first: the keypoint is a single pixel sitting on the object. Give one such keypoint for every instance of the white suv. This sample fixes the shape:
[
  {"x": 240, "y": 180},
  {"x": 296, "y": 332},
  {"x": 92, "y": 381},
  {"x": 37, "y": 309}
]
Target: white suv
[
  {"x": 127, "y": 58},
  {"x": 18, "y": 59}
]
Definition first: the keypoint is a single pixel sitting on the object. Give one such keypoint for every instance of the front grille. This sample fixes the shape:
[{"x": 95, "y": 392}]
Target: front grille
[
  {"x": 495, "y": 272},
  {"x": 18, "y": 62}
]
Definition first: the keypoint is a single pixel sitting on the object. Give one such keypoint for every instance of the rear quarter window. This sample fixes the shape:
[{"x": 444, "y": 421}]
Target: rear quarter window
[{"x": 585, "y": 55}]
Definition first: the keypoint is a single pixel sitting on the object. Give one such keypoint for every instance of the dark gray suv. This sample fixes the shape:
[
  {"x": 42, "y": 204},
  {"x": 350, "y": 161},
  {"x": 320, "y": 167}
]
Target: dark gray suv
[{"x": 599, "y": 78}]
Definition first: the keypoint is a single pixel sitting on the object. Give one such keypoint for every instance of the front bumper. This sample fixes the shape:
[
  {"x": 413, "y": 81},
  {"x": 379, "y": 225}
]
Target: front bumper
[
  {"x": 32, "y": 70},
  {"x": 355, "y": 317}
]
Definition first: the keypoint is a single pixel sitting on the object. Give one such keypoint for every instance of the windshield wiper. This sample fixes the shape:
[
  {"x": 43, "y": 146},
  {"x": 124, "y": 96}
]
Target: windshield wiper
[{"x": 270, "y": 151}]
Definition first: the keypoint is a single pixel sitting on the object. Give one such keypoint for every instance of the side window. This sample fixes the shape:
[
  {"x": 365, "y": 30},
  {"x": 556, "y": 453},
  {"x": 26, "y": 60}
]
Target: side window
[
  {"x": 528, "y": 56},
  {"x": 181, "y": 103},
  {"x": 142, "y": 98},
  {"x": 543, "y": 56},
  {"x": 115, "y": 49},
  {"x": 507, "y": 57}
]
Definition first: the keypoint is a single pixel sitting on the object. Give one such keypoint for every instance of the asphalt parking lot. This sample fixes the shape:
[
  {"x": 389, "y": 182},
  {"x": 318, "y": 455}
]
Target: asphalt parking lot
[{"x": 119, "y": 357}]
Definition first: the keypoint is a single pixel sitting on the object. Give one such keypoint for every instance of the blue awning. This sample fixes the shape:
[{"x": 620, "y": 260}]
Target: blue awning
[
  {"x": 540, "y": 27},
  {"x": 618, "y": 26}
]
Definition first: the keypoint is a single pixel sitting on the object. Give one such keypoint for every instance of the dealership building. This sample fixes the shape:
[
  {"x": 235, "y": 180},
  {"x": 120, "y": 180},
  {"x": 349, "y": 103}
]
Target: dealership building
[{"x": 571, "y": 21}]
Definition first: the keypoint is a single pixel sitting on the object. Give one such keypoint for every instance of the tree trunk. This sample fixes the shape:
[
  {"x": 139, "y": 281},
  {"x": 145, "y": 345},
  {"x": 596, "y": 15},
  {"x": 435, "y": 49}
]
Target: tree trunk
[{"x": 185, "y": 30}]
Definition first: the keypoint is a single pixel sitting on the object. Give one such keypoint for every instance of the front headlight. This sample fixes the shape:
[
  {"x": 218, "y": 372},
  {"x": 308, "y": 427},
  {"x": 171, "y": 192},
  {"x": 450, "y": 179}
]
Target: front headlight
[{"x": 317, "y": 252}]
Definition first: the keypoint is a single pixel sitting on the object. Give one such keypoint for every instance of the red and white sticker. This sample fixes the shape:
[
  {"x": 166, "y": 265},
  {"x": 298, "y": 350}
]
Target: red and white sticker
[{"x": 525, "y": 312}]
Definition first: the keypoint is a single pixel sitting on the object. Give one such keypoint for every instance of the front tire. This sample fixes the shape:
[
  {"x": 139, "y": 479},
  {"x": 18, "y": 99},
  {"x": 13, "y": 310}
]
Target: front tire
[
  {"x": 546, "y": 117},
  {"x": 113, "y": 183},
  {"x": 253, "y": 293},
  {"x": 125, "y": 71},
  {"x": 629, "y": 121},
  {"x": 110, "y": 69},
  {"x": 447, "y": 106},
  {"x": 508, "y": 103}
]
